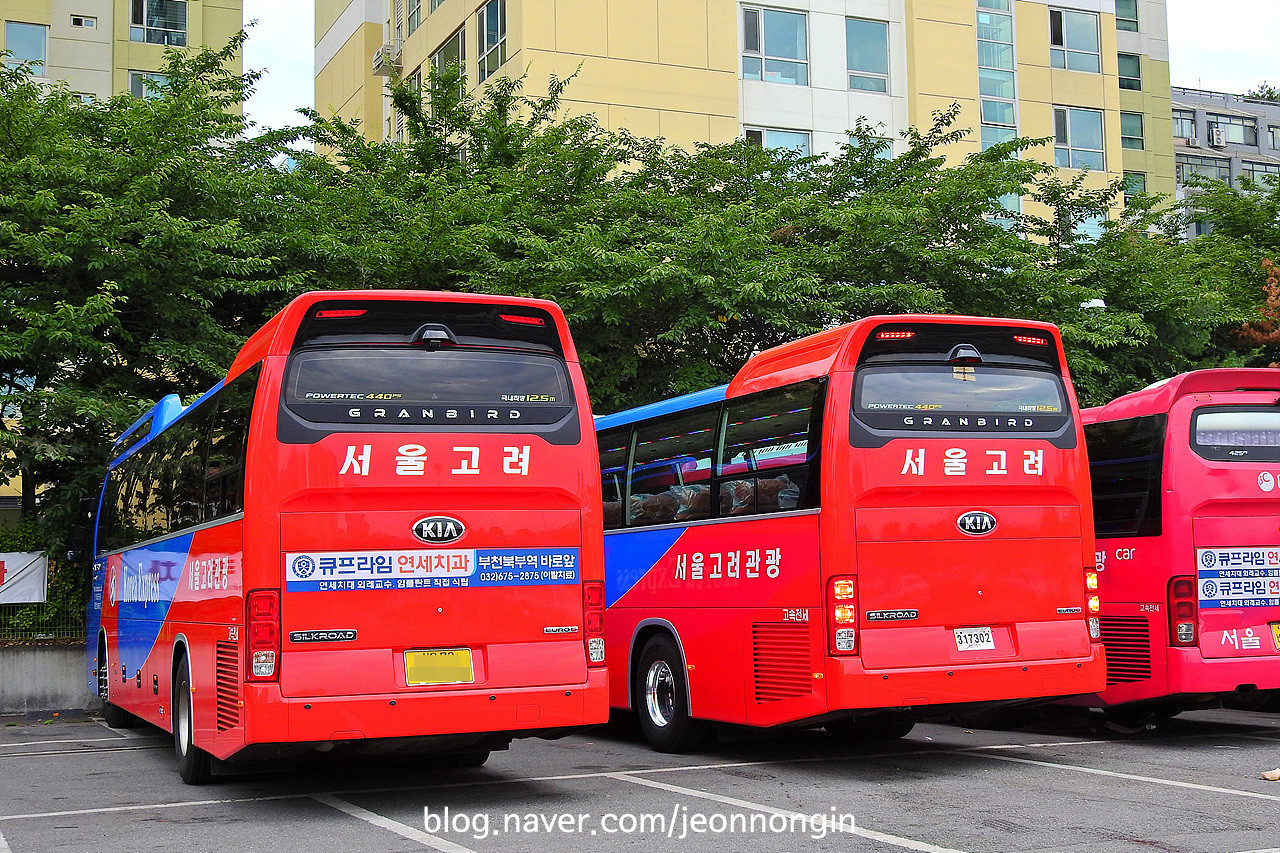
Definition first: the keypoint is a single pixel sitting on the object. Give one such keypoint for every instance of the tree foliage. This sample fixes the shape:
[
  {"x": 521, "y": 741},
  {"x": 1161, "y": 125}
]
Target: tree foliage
[{"x": 141, "y": 241}]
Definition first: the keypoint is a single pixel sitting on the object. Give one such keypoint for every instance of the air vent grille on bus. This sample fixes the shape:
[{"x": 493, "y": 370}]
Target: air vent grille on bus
[
  {"x": 228, "y": 676},
  {"x": 780, "y": 652},
  {"x": 1127, "y": 640}
]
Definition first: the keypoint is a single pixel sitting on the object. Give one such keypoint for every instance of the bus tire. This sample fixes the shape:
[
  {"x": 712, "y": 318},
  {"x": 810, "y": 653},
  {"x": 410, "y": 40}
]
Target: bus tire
[
  {"x": 113, "y": 715},
  {"x": 662, "y": 700},
  {"x": 854, "y": 729},
  {"x": 193, "y": 762},
  {"x": 475, "y": 758}
]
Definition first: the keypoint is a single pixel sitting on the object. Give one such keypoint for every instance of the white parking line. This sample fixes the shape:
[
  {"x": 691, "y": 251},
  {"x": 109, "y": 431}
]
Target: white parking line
[
  {"x": 1153, "y": 780},
  {"x": 403, "y": 830},
  {"x": 884, "y": 838},
  {"x": 66, "y": 741},
  {"x": 94, "y": 751}
]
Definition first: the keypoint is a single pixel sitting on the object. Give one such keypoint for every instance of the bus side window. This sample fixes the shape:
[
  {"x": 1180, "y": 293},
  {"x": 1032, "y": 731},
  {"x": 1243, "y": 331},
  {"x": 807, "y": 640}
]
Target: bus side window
[
  {"x": 224, "y": 470},
  {"x": 1125, "y": 462},
  {"x": 671, "y": 471},
  {"x": 613, "y": 471},
  {"x": 773, "y": 436}
]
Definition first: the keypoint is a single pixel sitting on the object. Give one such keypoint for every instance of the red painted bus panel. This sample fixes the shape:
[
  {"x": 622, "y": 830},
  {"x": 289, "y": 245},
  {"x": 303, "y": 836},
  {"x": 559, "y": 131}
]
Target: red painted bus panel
[
  {"x": 1215, "y": 523},
  {"x": 891, "y": 518},
  {"x": 338, "y": 527}
]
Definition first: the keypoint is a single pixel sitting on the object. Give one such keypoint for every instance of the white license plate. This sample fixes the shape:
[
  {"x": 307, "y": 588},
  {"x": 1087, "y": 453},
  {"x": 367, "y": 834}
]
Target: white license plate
[{"x": 974, "y": 639}]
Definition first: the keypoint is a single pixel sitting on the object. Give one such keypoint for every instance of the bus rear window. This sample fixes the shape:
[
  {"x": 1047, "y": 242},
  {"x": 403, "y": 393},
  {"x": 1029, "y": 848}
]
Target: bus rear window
[
  {"x": 960, "y": 398},
  {"x": 1237, "y": 435},
  {"x": 409, "y": 386}
]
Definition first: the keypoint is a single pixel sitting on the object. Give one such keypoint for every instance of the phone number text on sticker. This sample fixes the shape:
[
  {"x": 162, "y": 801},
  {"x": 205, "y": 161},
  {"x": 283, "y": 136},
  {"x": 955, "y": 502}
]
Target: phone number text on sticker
[{"x": 333, "y": 571}]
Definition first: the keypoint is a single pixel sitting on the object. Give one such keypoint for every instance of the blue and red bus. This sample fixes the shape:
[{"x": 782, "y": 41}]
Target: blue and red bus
[
  {"x": 1186, "y": 502},
  {"x": 380, "y": 531},
  {"x": 882, "y": 522}
]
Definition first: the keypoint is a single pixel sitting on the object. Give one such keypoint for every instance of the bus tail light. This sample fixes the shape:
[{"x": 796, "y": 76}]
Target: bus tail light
[
  {"x": 842, "y": 604},
  {"x": 1031, "y": 340},
  {"x": 1183, "y": 611},
  {"x": 262, "y": 617},
  {"x": 1093, "y": 604},
  {"x": 593, "y": 614}
]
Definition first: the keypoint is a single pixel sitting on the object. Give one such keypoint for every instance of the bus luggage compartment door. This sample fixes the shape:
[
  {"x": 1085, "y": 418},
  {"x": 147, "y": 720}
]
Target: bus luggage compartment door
[
  {"x": 931, "y": 595},
  {"x": 1237, "y": 561},
  {"x": 366, "y": 604}
]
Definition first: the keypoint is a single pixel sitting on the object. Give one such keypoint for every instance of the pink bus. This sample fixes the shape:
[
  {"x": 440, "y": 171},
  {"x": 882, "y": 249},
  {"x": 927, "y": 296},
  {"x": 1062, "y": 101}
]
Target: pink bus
[{"x": 1187, "y": 514}]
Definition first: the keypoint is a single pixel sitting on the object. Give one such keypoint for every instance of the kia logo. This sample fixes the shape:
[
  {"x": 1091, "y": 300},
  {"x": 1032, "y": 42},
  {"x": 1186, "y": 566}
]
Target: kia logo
[
  {"x": 976, "y": 523},
  {"x": 438, "y": 529}
]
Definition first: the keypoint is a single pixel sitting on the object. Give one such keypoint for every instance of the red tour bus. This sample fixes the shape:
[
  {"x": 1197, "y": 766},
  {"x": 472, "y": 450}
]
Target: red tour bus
[
  {"x": 882, "y": 522},
  {"x": 381, "y": 531},
  {"x": 1186, "y": 505}
]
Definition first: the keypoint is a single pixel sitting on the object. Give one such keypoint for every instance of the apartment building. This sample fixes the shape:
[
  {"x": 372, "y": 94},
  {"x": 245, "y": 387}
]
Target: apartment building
[
  {"x": 105, "y": 47},
  {"x": 1091, "y": 74},
  {"x": 1224, "y": 136}
]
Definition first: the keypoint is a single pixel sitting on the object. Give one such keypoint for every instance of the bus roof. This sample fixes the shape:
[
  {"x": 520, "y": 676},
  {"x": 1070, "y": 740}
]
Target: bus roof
[
  {"x": 662, "y": 407},
  {"x": 276, "y": 336},
  {"x": 837, "y": 349},
  {"x": 1159, "y": 397}
]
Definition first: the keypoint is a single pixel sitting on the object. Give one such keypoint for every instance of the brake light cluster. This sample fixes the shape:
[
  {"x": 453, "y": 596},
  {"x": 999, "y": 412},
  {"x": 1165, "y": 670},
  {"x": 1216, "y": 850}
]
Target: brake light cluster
[
  {"x": 262, "y": 618},
  {"x": 593, "y": 606},
  {"x": 1183, "y": 611},
  {"x": 895, "y": 336},
  {"x": 842, "y": 610},
  {"x": 1031, "y": 340},
  {"x": 1093, "y": 604}
]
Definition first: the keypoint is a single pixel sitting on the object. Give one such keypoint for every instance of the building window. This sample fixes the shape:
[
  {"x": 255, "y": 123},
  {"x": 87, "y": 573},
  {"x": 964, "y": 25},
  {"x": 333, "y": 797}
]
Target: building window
[
  {"x": 1127, "y": 15},
  {"x": 1077, "y": 138},
  {"x": 1237, "y": 129},
  {"x": 1002, "y": 5},
  {"x": 1134, "y": 183},
  {"x": 866, "y": 47},
  {"x": 26, "y": 43},
  {"x": 1209, "y": 167},
  {"x": 159, "y": 22},
  {"x": 414, "y": 19},
  {"x": 1273, "y": 136},
  {"x": 145, "y": 84},
  {"x": 1131, "y": 131},
  {"x": 775, "y": 46},
  {"x": 1184, "y": 124},
  {"x": 1073, "y": 40},
  {"x": 84, "y": 21},
  {"x": 1130, "y": 71},
  {"x": 452, "y": 52},
  {"x": 996, "y": 78},
  {"x": 435, "y": 4},
  {"x": 767, "y": 137},
  {"x": 492, "y": 25},
  {"x": 1259, "y": 171}
]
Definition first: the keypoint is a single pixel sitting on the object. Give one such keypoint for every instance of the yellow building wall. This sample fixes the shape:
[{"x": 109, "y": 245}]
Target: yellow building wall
[
  {"x": 942, "y": 67},
  {"x": 655, "y": 67},
  {"x": 346, "y": 85},
  {"x": 1156, "y": 160}
]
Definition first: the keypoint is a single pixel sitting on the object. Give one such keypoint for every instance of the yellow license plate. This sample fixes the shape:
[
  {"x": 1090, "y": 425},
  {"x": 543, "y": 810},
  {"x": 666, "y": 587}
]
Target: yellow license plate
[
  {"x": 439, "y": 666},
  {"x": 1275, "y": 634}
]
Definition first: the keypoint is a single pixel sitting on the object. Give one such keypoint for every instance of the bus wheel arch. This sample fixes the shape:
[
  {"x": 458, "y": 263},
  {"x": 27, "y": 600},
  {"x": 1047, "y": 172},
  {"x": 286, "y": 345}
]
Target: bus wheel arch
[
  {"x": 194, "y": 764},
  {"x": 660, "y": 696}
]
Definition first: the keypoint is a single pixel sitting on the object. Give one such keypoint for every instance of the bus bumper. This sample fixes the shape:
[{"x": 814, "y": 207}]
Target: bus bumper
[
  {"x": 852, "y": 687},
  {"x": 1191, "y": 672},
  {"x": 512, "y": 712}
]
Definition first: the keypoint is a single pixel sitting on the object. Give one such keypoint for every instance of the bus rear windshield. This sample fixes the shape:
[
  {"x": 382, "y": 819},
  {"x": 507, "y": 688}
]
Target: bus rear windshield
[
  {"x": 959, "y": 397},
  {"x": 410, "y": 386},
  {"x": 1237, "y": 435}
]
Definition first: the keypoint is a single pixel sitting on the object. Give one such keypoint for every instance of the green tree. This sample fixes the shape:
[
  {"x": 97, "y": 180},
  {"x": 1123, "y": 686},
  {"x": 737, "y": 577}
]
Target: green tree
[{"x": 125, "y": 270}]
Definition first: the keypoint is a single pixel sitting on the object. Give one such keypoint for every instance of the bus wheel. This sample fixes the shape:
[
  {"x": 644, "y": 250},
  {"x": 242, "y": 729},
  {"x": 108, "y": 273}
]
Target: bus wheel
[
  {"x": 113, "y": 715},
  {"x": 663, "y": 701},
  {"x": 475, "y": 758},
  {"x": 854, "y": 729},
  {"x": 193, "y": 762}
]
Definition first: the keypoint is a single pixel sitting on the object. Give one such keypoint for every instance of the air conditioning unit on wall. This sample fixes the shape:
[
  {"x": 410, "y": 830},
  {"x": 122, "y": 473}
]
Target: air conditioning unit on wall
[{"x": 1217, "y": 136}]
